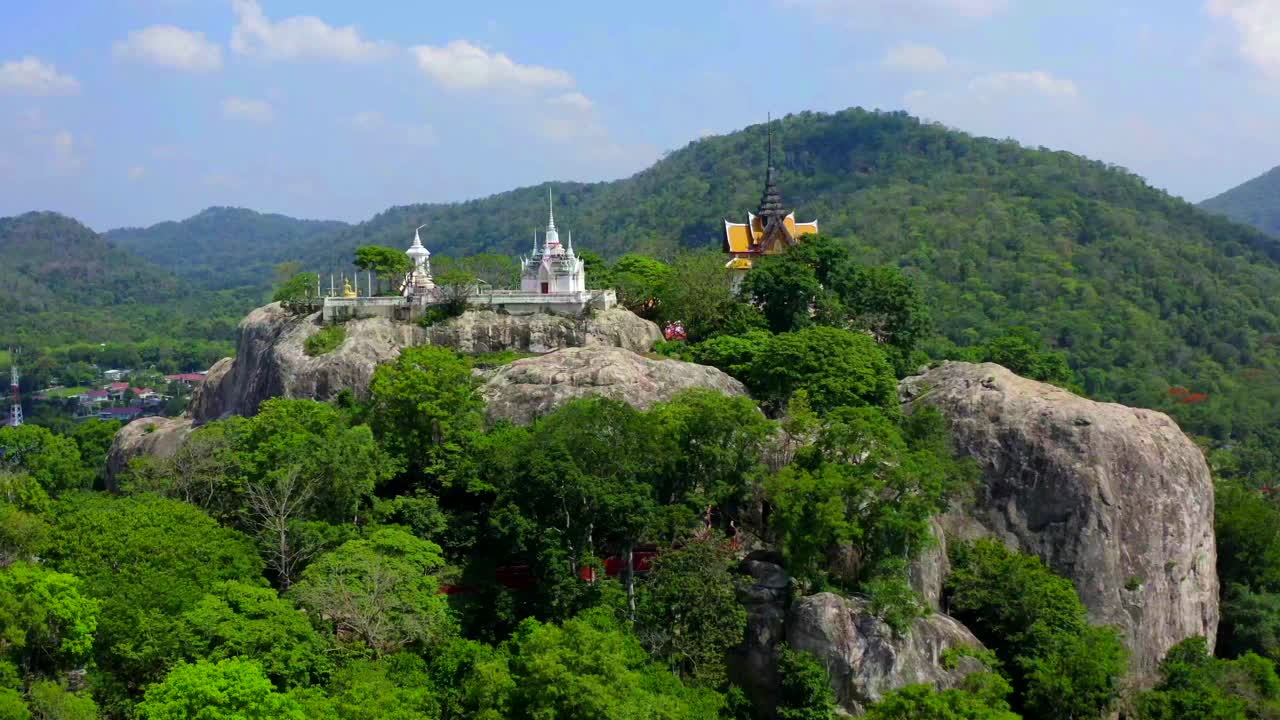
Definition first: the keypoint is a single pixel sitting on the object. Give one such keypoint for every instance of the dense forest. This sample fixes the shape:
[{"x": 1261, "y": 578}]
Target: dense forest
[
  {"x": 1252, "y": 203},
  {"x": 399, "y": 557},
  {"x": 221, "y": 247},
  {"x": 345, "y": 559},
  {"x": 70, "y": 296}
]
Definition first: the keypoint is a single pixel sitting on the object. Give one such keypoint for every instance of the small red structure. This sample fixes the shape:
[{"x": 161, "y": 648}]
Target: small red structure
[{"x": 675, "y": 331}]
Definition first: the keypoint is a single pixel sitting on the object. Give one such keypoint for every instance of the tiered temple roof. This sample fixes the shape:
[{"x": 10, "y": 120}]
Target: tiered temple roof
[{"x": 771, "y": 229}]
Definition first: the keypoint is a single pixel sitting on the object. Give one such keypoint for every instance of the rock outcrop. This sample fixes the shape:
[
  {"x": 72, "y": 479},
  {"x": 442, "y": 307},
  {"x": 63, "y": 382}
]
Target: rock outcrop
[
  {"x": 270, "y": 360},
  {"x": 1117, "y": 499},
  {"x": 528, "y": 388},
  {"x": 754, "y": 665},
  {"x": 864, "y": 656},
  {"x": 156, "y": 436},
  {"x": 487, "y": 331}
]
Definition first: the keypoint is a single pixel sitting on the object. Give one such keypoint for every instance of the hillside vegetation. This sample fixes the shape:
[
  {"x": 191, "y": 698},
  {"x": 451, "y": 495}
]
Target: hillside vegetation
[
  {"x": 1256, "y": 202},
  {"x": 64, "y": 285},
  {"x": 223, "y": 247},
  {"x": 1143, "y": 291}
]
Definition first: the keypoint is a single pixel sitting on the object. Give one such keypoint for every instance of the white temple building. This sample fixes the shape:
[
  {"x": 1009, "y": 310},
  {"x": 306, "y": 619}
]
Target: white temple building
[
  {"x": 552, "y": 279},
  {"x": 552, "y": 268}
]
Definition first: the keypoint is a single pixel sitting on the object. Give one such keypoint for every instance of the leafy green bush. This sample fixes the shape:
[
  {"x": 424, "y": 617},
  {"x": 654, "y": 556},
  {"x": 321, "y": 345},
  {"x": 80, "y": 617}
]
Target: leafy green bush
[
  {"x": 804, "y": 691},
  {"x": 326, "y": 340},
  {"x": 1034, "y": 621},
  {"x": 1195, "y": 685},
  {"x": 836, "y": 367}
]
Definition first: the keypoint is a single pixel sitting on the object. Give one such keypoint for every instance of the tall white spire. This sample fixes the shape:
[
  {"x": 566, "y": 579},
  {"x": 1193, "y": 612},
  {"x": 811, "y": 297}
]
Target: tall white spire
[{"x": 552, "y": 244}]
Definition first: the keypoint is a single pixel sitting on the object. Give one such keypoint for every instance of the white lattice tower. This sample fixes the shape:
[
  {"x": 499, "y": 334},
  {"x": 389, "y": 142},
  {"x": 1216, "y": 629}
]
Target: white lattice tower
[{"x": 15, "y": 411}]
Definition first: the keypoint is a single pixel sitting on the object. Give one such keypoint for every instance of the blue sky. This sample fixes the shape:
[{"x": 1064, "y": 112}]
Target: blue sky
[{"x": 127, "y": 112}]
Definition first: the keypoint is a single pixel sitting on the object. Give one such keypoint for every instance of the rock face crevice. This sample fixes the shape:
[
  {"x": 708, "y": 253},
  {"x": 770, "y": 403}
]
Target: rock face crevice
[{"x": 1116, "y": 499}]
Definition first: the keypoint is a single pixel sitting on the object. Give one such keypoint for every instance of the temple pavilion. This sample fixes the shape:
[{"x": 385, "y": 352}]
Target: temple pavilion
[
  {"x": 770, "y": 229},
  {"x": 552, "y": 268}
]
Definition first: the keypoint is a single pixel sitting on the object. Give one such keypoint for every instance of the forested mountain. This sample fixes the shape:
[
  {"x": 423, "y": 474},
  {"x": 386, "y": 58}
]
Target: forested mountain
[
  {"x": 63, "y": 284},
  {"x": 223, "y": 247},
  {"x": 1256, "y": 202},
  {"x": 1143, "y": 290}
]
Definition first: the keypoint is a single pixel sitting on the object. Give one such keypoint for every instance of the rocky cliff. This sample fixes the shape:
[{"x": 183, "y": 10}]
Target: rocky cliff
[
  {"x": 866, "y": 659},
  {"x": 481, "y": 331},
  {"x": 863, "y": 655},
  {"x": 270, "y": 361},
  {"x": 535, "y": 386},
  {"x": 1117, "y": 499}
]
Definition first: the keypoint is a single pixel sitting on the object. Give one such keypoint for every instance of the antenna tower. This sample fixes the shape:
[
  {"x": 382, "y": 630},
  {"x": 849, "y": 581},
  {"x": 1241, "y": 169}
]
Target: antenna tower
[{"x": 15, "y": 411}]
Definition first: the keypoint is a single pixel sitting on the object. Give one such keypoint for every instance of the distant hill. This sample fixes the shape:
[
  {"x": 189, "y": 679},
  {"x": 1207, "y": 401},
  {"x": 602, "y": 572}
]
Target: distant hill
[
  {"x": 63, "y": 283},
  {"x": 1142, "y": 289},
  {"x": 224, "y": 247},
  {"x": 1256, "y": 202}
]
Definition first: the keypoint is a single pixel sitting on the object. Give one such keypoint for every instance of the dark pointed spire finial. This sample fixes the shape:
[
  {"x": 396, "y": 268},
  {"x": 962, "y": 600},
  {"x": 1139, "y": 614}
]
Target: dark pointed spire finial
[{"x": 769, "y": 134}]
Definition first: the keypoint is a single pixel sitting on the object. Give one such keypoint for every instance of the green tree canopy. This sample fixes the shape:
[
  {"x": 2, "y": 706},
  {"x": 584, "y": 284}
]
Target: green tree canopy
[
  {"x": 240, "y": 620},
  {"x": 1195, "y": 685},
  {"x": 51, "y": 460},
  {"x": 146, "y": 559},
  {"x": 383, "y": 591},
  {"x": 231, "y": 689},
  {"x": 389, "y": 264},
  {"x": 590, "y": 669},
  {"x": 46, "y": 623},
  {"x": 299, "y": 294},
  {"x": 1038, "y": 628},
  {"x": 425, "y": 410},
  {"x": 836, "y": 367},
  {"x": 687, "y": 613}
]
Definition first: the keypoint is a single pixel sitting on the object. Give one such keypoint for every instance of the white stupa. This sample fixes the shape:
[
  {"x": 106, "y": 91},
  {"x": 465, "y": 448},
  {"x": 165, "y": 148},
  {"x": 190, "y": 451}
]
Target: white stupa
[{"x": 419, "y": 281}]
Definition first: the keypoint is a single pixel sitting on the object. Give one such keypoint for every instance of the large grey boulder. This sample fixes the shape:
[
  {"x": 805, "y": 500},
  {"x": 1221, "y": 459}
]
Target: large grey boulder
[
  {"x": 528, "y": 388},
  {"x": 1115, "y": 498},
  {"x": 270, "y": 360},
  {"x": 157, "y": 436},
  {"x": 866, "y": 659},
  {"x": 480, "y": 331}
]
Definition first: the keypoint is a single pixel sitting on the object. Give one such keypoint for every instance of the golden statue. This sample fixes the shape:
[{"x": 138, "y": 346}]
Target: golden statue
[{"x": 347, "y": 291}]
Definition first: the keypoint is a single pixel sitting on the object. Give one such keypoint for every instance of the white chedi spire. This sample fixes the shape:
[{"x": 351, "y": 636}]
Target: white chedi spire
[
  {"x": 417, "y": 252},
  {"x": 552, "y": 243}
]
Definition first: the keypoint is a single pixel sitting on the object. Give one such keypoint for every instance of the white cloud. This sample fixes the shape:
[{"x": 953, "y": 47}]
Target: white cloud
[
  {"x": 461, "y": 65},
  {"x": 913, "y": 57},
  {"x": 1035, "y": 82},
  {"x": 877, "y": 12},
  {"x": 238, "y": 108},
  {"x": 172, "y": 47},
  {"x": 1257, "y": 23},
  {"x": 137, "y": 172},
  {"x": 32, "y": 76},
  {"x": 297, "y": 38}
]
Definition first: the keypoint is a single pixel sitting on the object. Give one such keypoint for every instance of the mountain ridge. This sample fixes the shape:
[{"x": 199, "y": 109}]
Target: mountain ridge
[
  {"x": 223, "y": 247},
  {"x": 1253, "y": 202}
]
